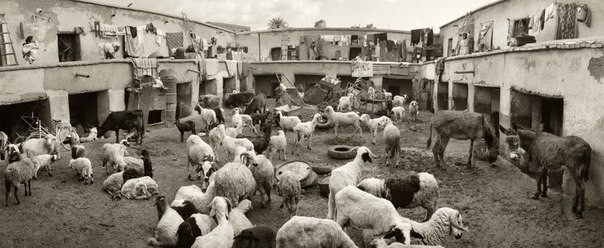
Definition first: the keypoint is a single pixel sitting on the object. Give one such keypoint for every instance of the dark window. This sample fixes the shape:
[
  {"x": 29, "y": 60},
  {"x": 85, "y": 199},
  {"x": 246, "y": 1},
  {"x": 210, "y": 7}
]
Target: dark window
[
  {"x": 276, "y": 53},
  {"x": 450, "y": 47},
  {"x": 521, "y": 27},
  {"x": 155, "y": 116},
  {"x": 69, "y": 47}
]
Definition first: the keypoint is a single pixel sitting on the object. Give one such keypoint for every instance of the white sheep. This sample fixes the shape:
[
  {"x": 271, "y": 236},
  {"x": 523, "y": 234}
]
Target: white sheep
[
  {"x": 345, "y": 102},
  {"x": 44, "y": 160},
  {"x": 302, "y": 232},
  {"x": 223, "y": 234},
  {"x": 399, "y": 100},
  {"x": 46, "y": 145},
  {"x": 113, "y": 155},
  {"x": 413, "y": 190},
  {"x": 165, "y": 232},
  {"x": 392, "y": 142},
  {"x": 17, "y": 173},
  {"x": 264, "y": 173},
  {"x": 238, "y": 219},
  {"x": 413, "y": 110},
  {"x": 195, "y": 195},
  {"x": 287, "y": 123},
  {"x": 234, "y": 131},
  {"x": 366, "y": 211},
  {"x": 277, "y": 144},
  {"x": 398, "y": 113},
  {"x": 83, "y": 169},
  {"x": 140, "y": 188},
  {"x": 244, "y": 119},
  {"x": 305, "y": 130},
  {"x": 207, "y": 116},
  {"x": 235, "y": 182},
  {"x": 289, "y": 188},
  {"x": 198, "y": 153},
  {"x": 348, "y": 174},
  {"x": 230, "y": 144},
  {"x": 92, "y": 133},
  {"x": 374, "y": 124},
  {"x": 216, "y": 135},
  {"x": 113, "y": 184},
  {"x": 387, "y": 95},
  {"x": 343, "y": 119}
]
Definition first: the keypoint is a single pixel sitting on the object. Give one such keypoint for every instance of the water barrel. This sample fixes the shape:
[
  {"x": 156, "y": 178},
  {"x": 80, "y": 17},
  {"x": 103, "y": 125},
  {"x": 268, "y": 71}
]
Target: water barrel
[{"x": 168, "y": 77}]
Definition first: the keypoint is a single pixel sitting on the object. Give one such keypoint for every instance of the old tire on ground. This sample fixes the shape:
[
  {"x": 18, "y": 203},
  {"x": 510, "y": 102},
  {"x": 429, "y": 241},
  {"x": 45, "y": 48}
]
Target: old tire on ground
[
  {"x": 311, "y": 180},
  {"x": 324, "y": 186},
  {"x": 321, "y": 170},
  {"x": 341, "y": 152},
  {"x": 325, "y": 122}
]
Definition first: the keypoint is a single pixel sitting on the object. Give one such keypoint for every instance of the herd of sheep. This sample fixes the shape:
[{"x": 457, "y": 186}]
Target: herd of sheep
[{"x": 214, "y": 215}]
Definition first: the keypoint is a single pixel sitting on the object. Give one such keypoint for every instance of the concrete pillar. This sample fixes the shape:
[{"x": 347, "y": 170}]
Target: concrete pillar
[
  {"x": 220, "y": 87},
  {"x": 110, "y": 101},
  {"x": 450, "y": 95},
  {"x": 378, "y": 82},
  {"x": 435, "y": 95},
  {"x": 471, "y": 94},
  {"x": 195, "y": 91},
  {"x": 59, "y": 105}
]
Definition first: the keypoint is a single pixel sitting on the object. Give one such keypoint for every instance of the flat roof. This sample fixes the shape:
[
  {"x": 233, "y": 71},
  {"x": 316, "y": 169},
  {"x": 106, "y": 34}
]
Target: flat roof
[
  {"x": 150, "y": 12},
  {"x": 474, "y": 11},
  {"x": 377, "y": 30}
]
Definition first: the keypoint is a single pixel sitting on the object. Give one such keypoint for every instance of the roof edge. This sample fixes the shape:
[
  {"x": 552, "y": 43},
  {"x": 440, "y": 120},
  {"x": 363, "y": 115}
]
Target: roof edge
[
  {"x": 326, "y": 29},
  {"x": 474, "y": 11}
]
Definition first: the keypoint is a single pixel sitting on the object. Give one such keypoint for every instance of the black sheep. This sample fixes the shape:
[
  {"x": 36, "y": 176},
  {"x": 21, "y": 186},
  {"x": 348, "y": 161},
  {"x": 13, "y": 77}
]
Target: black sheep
[
  {"x": 258, "y": 105},
  {"x": 261, "y": 142},
  {"x": 186, "y": 210},
  {"x": 147, "y": 163},
  {"x": 258, "y": 237},
  {"x": 219, "y": 116},
  {"x": 260, "y": 118},
  {"x": 185, "y": 127}
]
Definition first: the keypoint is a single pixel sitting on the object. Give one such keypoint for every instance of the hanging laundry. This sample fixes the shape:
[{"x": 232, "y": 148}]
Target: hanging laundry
[
  {"x": 416, "y": 35},
  {"x": 173, "y": 41},
  {"x": 429, "y": 37},
  {"x": 550, "y": 11},
  {"x": 150, "y": 28},
  {"x": 567, "y": 19},
  {"x": 403, "y": 51},
  {"x": 132, "y": 46},
  {"x": 97, "y": 29},
  {"x": 542, "y": 19},
  {"x": 121, "y": 31},
  {"x": 584, "y": 15},
  {"x": 108, "y": 30},
  {"x": 485, "y": 37},
  {"x": 160, "y": 36},
  {"x": 141, "y": 34},
  {"x": 131, "y": 31},
  {"x": 204, "y": 44}
]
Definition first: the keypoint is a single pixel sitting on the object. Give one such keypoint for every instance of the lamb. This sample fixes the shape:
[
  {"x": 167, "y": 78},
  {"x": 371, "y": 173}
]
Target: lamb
[
  {"x": 399, "y": 101},
  {"x": 387, "y": 95},
  {"x": 366, "y": 211},
  {"x": 264, "y": 173},
  {"x": 277, "y": 144},
  {"x": 244, "y": 119},
  {"x": 235, "y": 182},
  {"x": 305, "y": 130},
  {"x": 17, "y": 173},
  {"x": 413, "y": 190},
  {"x": 140, "y": 188},
  {"x": 113, "y": 185},
  {"x": 288, "y": 122},
  {"x": 392, "y": 140},
  {"x": 185, "y": 127},
  {"x": 193, "y": 227},
  {"x": 198, "y": 152},
  {"x": 288, "y": 187},
  {"x": 222, "y": 236},
  {"x": 445, "y": 221},
  {"x": 301, "y": 232},
  {"x": 113, "y": 154},
  {"x": 345, "y": 102},
  {"x": 83, "y": 169},
  {"x": 201, "y": 200},
  {"x": 237, "y": 217},
  {"x": 349, "y": 174},
  {"x": 77, "y": 149},
  {"x": 258, "y": 236},
  {"x": 46, "y": 145},
  {"x": 398, "y": 113},
  {"x": 413, "y": 110},
  {"x": 373, "y": 124},
  {"x": 44, "y": 160},
  {"x": 165, "y": 232},
  {"x": 343, "y": 119}
]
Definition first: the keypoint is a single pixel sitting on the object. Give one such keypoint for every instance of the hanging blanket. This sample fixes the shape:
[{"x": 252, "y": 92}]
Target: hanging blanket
[
  {"x": 145, "y": 67},
  {"x": 132, "y": 46},
  {"x": 174, "y": 40},
  {"x": 567, "y": 28}
]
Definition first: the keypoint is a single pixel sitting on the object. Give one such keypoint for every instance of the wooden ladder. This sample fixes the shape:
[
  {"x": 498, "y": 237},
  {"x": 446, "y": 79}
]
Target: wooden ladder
[{"x": 7, "y": 50}]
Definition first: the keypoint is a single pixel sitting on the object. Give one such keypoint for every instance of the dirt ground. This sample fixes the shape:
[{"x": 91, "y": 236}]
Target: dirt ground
[{"x": 494, "y": 200}]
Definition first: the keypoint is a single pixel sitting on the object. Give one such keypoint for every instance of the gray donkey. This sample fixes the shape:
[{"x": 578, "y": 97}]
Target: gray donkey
[
  {"x": 461, "y": 125},
  {"x": 551, "y": 152}
]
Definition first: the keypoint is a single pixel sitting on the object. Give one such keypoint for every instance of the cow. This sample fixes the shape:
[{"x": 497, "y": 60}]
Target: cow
[
  {"x": 240, "y": 100},
  {"x": 126, "y": 120}
]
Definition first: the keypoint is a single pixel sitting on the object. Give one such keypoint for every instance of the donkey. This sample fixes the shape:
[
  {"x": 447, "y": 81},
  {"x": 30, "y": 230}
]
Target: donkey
[
  {"x": 461, "y": 125},
  {"x": 551, "y": 153}
]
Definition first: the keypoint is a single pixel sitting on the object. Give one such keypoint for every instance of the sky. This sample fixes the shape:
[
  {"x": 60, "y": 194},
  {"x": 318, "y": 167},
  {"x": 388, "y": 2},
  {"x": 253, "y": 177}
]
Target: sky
[{"x": 387, "y": 14}]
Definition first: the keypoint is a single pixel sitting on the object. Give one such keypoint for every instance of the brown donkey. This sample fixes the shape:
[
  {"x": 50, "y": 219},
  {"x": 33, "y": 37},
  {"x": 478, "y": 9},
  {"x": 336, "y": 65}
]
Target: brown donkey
[
  {"x": 551, "y": 152},
  {"x": 461, "y": 125}
]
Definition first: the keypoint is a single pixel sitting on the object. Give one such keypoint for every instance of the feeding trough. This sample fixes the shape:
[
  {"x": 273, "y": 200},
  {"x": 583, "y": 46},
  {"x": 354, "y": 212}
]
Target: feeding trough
[{"x": 300, "y": 169}]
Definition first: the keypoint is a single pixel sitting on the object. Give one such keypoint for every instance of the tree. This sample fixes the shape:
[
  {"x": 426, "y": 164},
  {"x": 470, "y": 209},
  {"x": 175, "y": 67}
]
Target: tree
[{"x": 277, "y": 23}]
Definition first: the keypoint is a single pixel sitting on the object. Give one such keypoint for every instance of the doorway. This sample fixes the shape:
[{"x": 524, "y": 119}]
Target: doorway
[{"x": 83, "y": 109}]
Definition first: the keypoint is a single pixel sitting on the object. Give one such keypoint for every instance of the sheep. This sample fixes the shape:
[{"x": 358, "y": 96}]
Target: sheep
[
  {"x": 185, "y": 127},
  {"x": 258, "y": 236},
  {"x": 373, "y": 124},
  {"x": 221, "y": 236},
  {"x": 345, "y": 102},
  {"x": 288, "y": 187},
  {"x": 398, "y": 113},
  {"x": 134, "y": 168},
  {"x": 165, "y": 232},
  {"x": 113, "y": 154},
  {"x": 243, "y": 119},
  {"x": 17, "y": 173},
  {"x": 238, "y": 219},
  {"x": 193, "y": 227},
  {"x": 201, "y": 200},
  {"x": 261, "y": 142},
  {"x": 207, "y": 116},
  {"x": 366, "y": 211},
  {"x": 92, "y": 133},
  {"x": 445, "y": 221},
  {"x": 198, "y": 153},
  {"x": 392, "y": 141},
  {"x": 3, "y": 145},
  {"x": 235, "y": 182},
  {"x": 413, "y": 110},
  {"x": 216, "y": 135},
  {"x": 305, "y": 130},
  {"x": 235, "y": 131},
  {"x": 413, "y": 190},
  {"x": 387, "y": 95},
  {"x": 44, "y": 160},
  {"x": 209, "y": 101},
  {"x": 301, "y": 232},
  {"x": 264, "y": 173},
  {"x": 46, "y": 145},
  {"x": 83, "y": 169},
  {"x": 230, "y": 144},
  {"x": 260, "y": 118},
  {"x": 343, "y": 119},
  {"x": 113, "y": 185},
  {"x": 133, "y": 188},
  {"x": 219, "y": 115},
  {"x": 186, "y": 209},
  {"x": 288, "y": 122},
  {"x": 77, "y": 149},
  {"x": 277, "y": 144},
  {"x": 348, "y": 174},
  {"x": 399, "y": 101}
]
